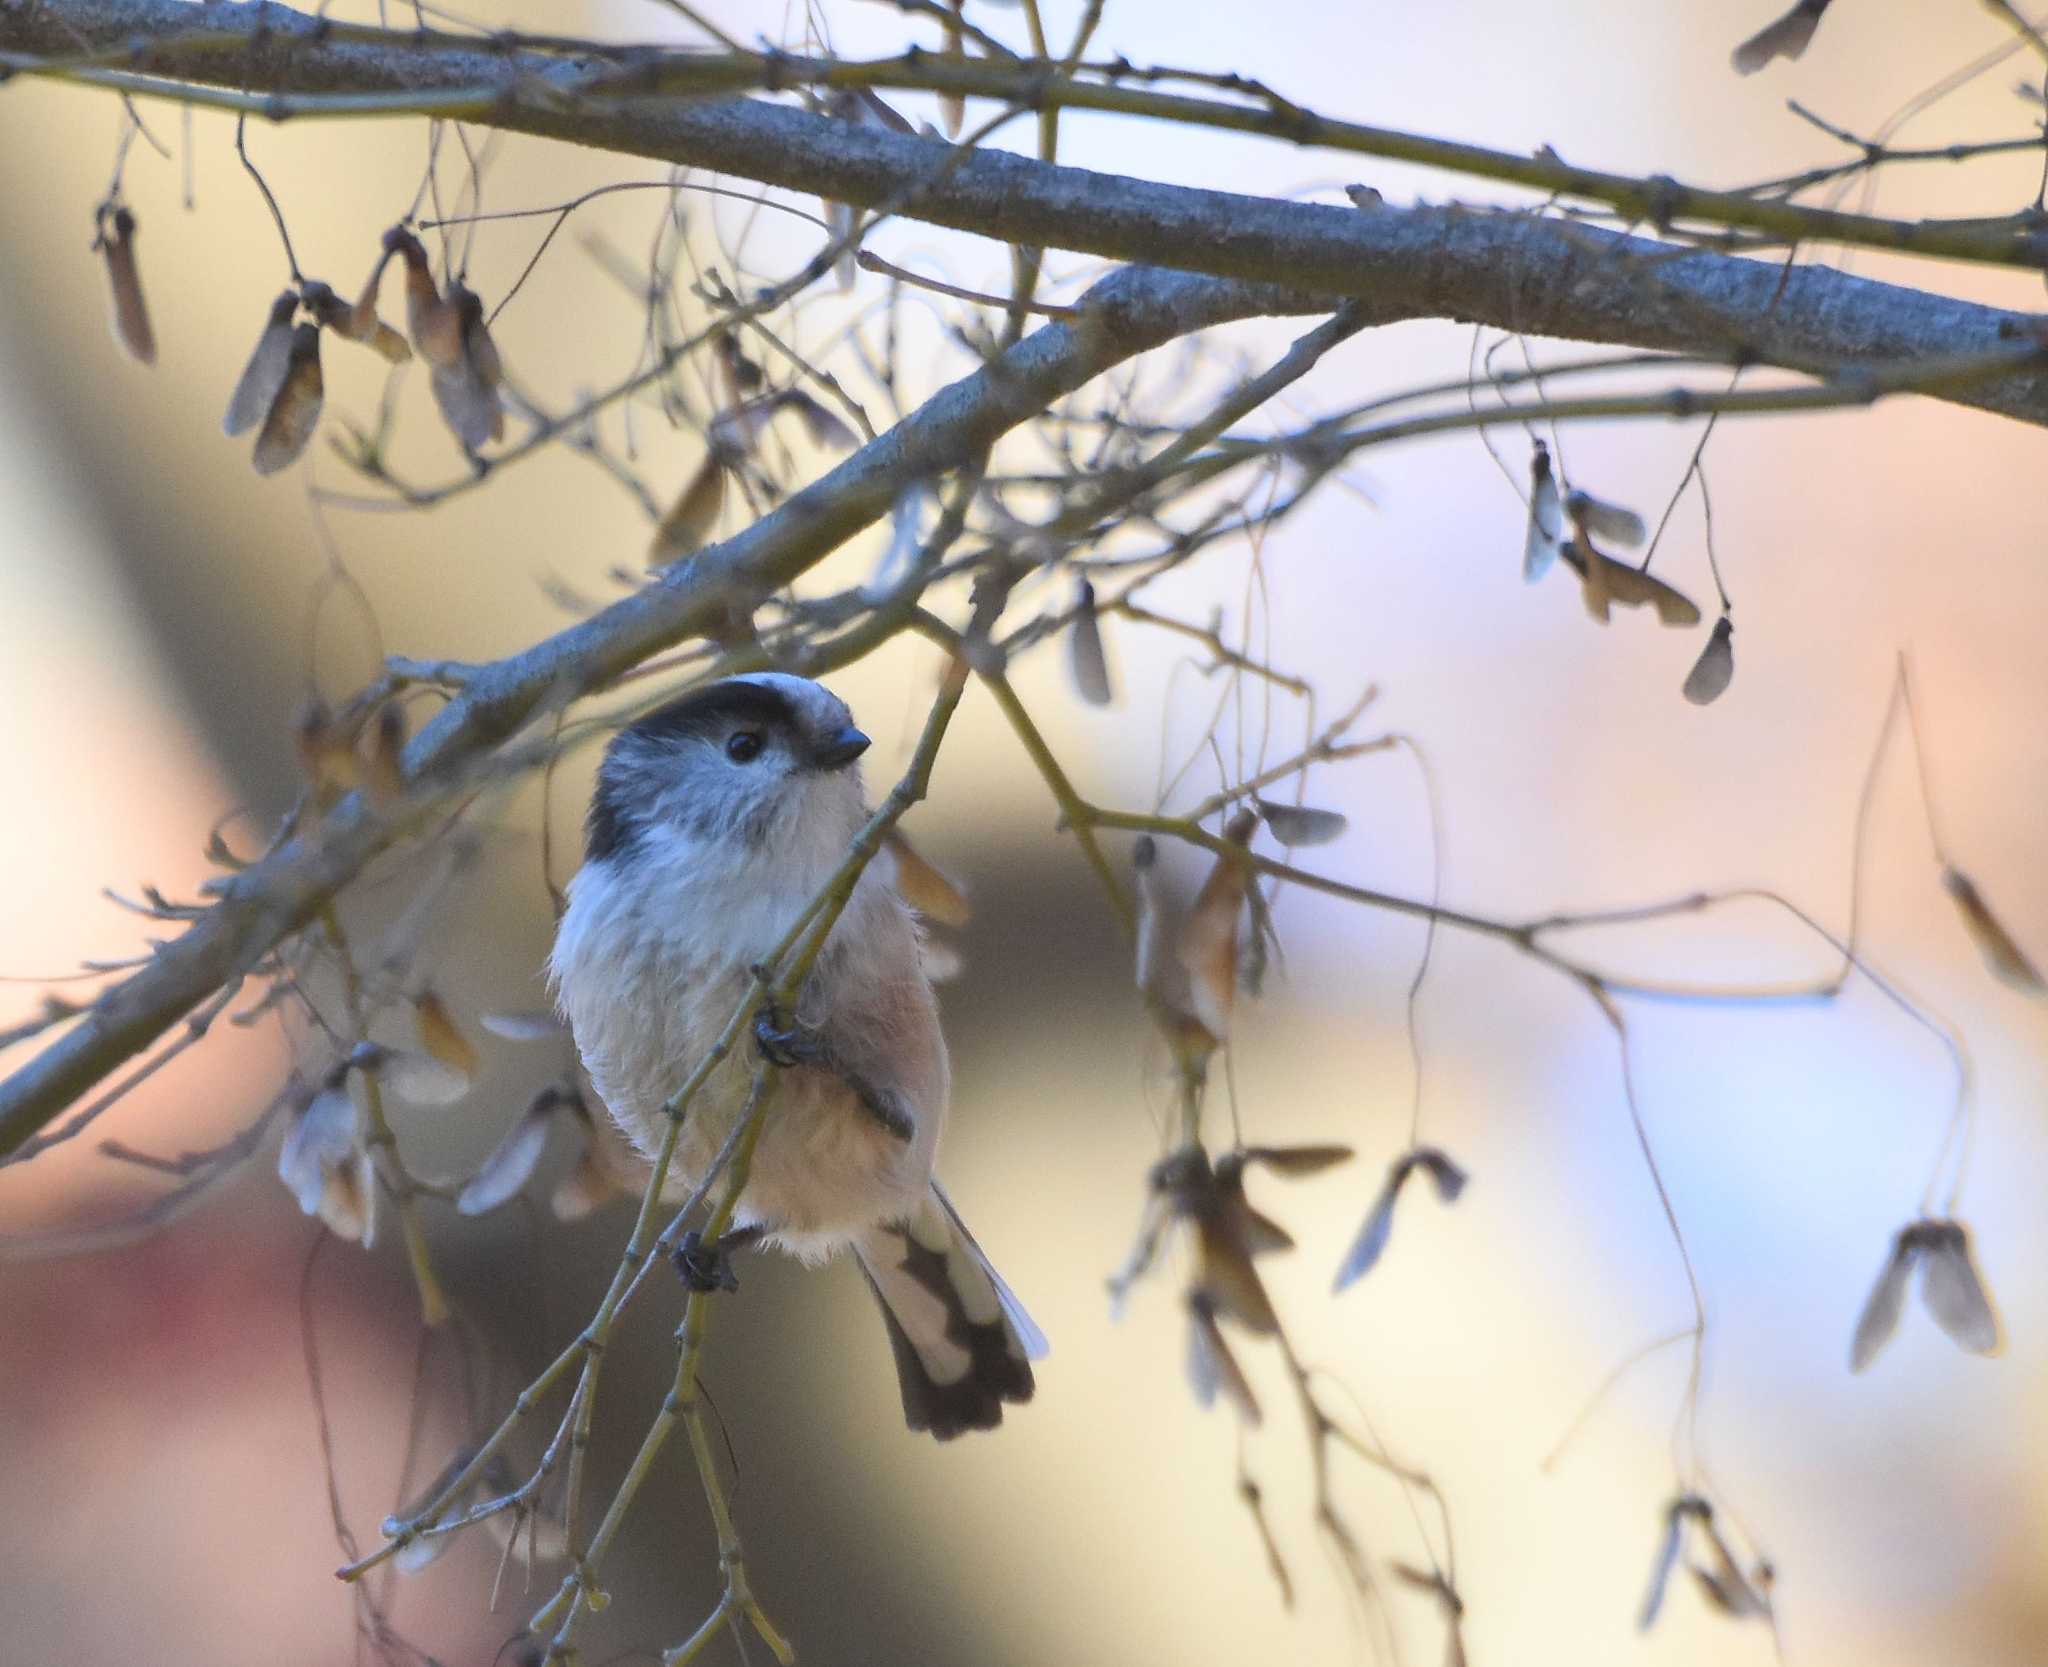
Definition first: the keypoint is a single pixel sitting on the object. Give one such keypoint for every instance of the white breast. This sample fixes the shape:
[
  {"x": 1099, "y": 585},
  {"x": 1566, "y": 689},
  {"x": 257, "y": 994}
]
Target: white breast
[{"x": 651, "y": 962}]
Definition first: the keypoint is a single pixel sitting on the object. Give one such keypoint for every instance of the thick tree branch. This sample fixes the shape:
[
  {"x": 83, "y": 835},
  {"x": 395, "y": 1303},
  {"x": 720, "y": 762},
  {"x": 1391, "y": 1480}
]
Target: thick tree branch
[
  {"x": 1515, "y": 271},
  {"x": 1126, "y": 314}
]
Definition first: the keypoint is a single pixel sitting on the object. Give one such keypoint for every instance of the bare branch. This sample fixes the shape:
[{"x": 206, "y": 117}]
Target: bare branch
[{"x": 1515, "y": 271}]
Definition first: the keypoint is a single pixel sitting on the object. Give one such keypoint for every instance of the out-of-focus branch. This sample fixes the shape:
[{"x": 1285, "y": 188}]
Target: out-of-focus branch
[
  {"x": 1513, "y": 271},
  {"x": 1127, "y": 313}
]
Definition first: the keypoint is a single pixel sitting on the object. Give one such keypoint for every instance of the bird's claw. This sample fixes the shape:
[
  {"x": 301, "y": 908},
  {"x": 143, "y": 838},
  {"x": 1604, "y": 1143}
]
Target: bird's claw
[
  {"x": 782, "y": 1040},
  {"x": 704, "y": 1266}
]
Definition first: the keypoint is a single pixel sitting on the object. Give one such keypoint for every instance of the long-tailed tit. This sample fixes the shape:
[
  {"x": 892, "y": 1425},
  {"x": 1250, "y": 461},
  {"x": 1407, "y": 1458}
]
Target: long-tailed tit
[{"x": 715, "y": 821}]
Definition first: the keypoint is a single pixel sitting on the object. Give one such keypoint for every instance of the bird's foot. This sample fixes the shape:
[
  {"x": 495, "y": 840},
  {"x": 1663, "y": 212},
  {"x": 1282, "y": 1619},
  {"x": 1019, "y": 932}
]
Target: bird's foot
[
  {"x": 784, "y": 1042},
  {"x": 706, "y": 1264}
]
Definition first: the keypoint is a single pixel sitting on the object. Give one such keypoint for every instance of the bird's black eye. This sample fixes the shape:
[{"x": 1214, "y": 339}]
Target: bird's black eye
[{"x": 743, "y": 746}]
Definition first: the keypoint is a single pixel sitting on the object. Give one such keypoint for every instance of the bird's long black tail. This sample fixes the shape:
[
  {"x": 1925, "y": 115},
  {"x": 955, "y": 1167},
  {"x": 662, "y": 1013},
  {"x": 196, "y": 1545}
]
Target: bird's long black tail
[{"x": 962, "y": 1341}]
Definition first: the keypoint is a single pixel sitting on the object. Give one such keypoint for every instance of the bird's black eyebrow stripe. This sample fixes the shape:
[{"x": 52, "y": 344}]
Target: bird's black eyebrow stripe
[
  {"x": 612, "y": 830},
  {"x": 607, "y": 831},
  {"x": 702, "y": 711}
]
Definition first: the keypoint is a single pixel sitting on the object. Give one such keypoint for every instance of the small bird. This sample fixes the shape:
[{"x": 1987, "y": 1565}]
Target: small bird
[{"x": 715, "y": 820}]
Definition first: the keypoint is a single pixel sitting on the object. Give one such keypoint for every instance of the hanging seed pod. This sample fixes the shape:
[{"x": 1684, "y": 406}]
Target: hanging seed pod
[
  {"x": 513, "y": 1160},
  {"x": 1212, "y": 1368},
  {"x": 1225, "y": 1277},
  {"x": 469, "y": 408},
  {"x": 1295, "y": 1161},
  {"x": 872, "y": 110},
  {"x": 687, "y": 526},
  {"x": 1952, "y": 1289},
  {"x": 862, "y": 108},
  {"x": 1592, "y": 569},
  {"x": 325, "y": 754},
  {"x": 1296, "y": 825},
  {"x": 1596, "y": 515},
  {"x": 875, "y": 111},
  {"x": 263, "y": 377},
  {"x": 363, "y": 315},
  {"x": 322, "y": 1137},
  {"x": 384, "y": 757},
  {"x": 1738, "y": 1602},
  {"x": 1228, "y": 1234},
  {"x": 1152, "y": 947},
  {"x": 1607, "y": 582},
  {"x": 1158, "y": 1216},
  {"x": 1207, "y": 947},
  {"x": 295, "y": 412},
  {"x": 1087, "y": 660},
  {"x": 1259, "y": 943},
  {"x": 602, "y": 1170},
  {"x": 441, "y": 1037},
  {"x": 425, "y": 1549},
  {"x": 434, "y": 325},
  {"x": 422, "y": 1079},
  {"x": 739, "y": 375},
  {"x": 1262, "y": 1235},
  {"x": 1887, "y": 1300},
  {"x": 1546, "y": 517},
  {"x": 1637, "y": 589},
  {"x": 1258, "y": 1233},
  {"x": 351, "y": 323},
  {"x": 386, "y": 341},
  {"x": 116, "y": 243},
  {"x": 906, "y": 538},
  {"x": 348, "y": 1201},
  {"x": 736, "y": 431},
  {"x": 1785, "y": 38},
  {"x": 2007, "y": 961},
  {"x": 586, "y": 1187},
  {"x": 532, "y": 1025},
  {"x": 924, "y": 887},
  {"x": 467, "y": 389},
  {"x": 1378, "y": 1228},
  {"x": 479, "y": 347},
  {"x": 1371, "y": 1242},
  {"x": 417, "y": 1077},
  {"x": 1715, "y": 668},
  {"x": 824, "y": 427},
  {"x": 1211, "y": 1202},
  {"x": 1725, "y": 1585},
  {"x": 1449, "y": 1178},
  {"x": 952, "y": 107},
  {"x": 839, "y": 228},
  {"x": 1676, "y": 1515}
]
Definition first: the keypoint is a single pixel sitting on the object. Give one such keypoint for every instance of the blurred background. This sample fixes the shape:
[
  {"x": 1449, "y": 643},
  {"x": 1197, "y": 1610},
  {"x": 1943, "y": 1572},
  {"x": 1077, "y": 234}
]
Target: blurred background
[{"x": 166, "y": 611}]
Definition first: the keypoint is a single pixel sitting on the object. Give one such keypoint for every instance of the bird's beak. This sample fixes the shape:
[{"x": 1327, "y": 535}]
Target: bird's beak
[{"x": 841, "y": 749}]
